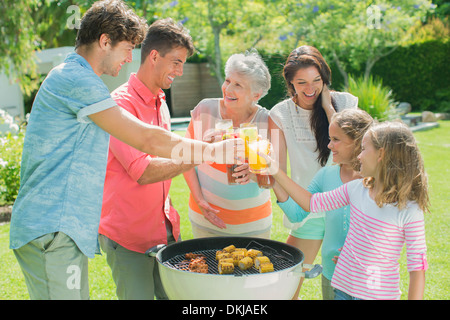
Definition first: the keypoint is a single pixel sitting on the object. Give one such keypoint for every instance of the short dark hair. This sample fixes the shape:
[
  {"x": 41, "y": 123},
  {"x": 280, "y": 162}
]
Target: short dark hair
[
  {"x": 114, "y": 18},
  {"x": 164, "y": 35}
]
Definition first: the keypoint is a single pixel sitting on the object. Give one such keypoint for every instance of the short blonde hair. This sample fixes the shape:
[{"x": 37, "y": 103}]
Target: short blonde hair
[{"x": 402, "y": 172}]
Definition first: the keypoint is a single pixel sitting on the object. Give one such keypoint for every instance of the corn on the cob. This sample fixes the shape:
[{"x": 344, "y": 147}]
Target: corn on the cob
[
  {"x": 253, "y": 253},
  {"x": 237, "y": 256},
  {"x": 230, "y": 248},
  {"x": 261, "y": 260},
  {"x": 245, "y": 263},
  {"x": 266, "y": 267},
  {"x": 238, "y": 252},
  {"x": 241, "y": 249},
  {"x": 223, "y": 255},
  {"x": 227, "y": 260},
  {"x": 226, "y": 268},
  {"x": 219, "y": 252}
]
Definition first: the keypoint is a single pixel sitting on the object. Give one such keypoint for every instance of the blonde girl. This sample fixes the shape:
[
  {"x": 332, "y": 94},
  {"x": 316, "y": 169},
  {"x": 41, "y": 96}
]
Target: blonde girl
[
  {"x": 386, "y": 211},
  {"x": 346, "y": 131}
]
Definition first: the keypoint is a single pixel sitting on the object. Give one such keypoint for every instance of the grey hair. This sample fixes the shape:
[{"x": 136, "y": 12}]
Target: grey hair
[{"x": 252, "y": 66}]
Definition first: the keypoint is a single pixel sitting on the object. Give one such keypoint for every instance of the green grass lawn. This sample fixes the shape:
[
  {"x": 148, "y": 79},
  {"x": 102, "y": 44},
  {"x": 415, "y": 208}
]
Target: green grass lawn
[{"x": 435, "y": 147}]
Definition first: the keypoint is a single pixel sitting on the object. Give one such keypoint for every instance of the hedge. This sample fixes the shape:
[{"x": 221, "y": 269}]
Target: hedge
[{"x": 418, "y": 74}]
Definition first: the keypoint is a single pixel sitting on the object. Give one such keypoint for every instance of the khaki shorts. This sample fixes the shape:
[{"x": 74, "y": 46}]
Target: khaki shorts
[
  {"x": 135, "y": 274},
  {"x": 54, "y": 268}
]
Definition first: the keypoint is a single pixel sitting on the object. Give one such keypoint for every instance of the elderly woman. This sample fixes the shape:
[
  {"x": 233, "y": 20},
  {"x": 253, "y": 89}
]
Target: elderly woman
[{"x": 215, "y": 207}]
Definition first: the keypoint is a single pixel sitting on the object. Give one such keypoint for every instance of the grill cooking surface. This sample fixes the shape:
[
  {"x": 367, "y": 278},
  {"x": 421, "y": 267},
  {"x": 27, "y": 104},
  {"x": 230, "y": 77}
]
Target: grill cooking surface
[{"x": 280, "y": 260}]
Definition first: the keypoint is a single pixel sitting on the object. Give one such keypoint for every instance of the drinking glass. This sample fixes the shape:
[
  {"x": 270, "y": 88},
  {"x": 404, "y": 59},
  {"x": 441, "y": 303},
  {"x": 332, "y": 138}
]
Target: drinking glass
[
  {"x": 248, "y": 133},
  {"x": 223, "y": 125},
  {"x": 231, "y": 134},
  {"x": 265, "y": 180},
  {"x": 257, "y": 163}
]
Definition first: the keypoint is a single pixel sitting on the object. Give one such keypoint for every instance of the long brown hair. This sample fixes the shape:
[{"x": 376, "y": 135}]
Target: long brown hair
[
  {"x": 304, "y": 57},
  {"x": 401, "y": 174}
]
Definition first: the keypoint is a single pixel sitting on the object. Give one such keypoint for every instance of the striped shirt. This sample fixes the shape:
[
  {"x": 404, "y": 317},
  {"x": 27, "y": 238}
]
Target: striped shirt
[
  {"x": 368, "y": 265},
  {"x": 245, "y": 209}
]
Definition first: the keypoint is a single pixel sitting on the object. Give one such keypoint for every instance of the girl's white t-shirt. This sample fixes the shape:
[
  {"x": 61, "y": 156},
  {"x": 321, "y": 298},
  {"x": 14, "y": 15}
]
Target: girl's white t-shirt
[{"x": 368, "y": 266}]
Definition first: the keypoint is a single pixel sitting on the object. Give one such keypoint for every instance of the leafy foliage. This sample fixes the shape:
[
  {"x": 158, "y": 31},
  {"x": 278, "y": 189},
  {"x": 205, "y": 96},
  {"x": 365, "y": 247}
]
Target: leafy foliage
[
  {"x": 18, "y": 42},
  {"x": 11, "y": 145},
  {"x": 353, "y": 35},
  {"x": 419, "y": 74},
  {"x": 373, "y": 97}
]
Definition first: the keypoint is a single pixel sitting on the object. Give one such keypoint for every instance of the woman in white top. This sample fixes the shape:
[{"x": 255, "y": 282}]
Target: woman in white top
[{"x": 299, "y": 126}]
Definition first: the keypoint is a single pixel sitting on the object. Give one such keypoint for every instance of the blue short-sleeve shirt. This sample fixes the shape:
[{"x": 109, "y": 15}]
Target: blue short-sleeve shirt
[
  {"x": 64, "y": 159},
  {"x": 337, "y": 222}
]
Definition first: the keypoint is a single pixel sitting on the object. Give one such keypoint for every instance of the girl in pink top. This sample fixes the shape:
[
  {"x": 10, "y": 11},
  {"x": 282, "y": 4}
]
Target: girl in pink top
[{"x": 386, "y": 211}]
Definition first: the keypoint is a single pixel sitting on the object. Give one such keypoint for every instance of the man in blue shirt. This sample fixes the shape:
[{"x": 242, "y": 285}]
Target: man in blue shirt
[{"x": 55, "y": 219}]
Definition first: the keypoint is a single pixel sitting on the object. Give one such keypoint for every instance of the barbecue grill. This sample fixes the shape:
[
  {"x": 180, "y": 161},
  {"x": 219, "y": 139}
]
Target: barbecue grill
[{"x": 181, "y": 284}]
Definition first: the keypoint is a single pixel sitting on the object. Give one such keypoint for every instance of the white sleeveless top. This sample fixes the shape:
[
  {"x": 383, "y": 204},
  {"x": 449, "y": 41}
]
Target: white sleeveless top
[{"x": 300, "y": 141}]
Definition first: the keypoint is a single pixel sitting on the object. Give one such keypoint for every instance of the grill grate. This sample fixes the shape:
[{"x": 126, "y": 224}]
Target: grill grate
[{"x": 280, "y": 260}]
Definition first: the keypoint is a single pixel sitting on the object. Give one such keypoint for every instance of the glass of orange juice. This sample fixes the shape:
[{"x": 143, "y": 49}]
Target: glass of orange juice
[
  {"x": 258, "y": 164},
  {"x": 249, "y": 133}
]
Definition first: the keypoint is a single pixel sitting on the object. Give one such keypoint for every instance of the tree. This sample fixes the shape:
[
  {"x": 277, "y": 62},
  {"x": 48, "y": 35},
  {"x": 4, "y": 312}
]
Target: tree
[
  {"x": 31, "y": 25},
  {"x": 241, "y": 23},
  {"x": 18, "y": 42},
  {"x": 353, "y": 34}
]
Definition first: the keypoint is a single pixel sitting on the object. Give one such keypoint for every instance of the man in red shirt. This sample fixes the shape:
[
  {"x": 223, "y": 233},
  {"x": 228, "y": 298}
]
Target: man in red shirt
[{"x": 137, "y": 213}]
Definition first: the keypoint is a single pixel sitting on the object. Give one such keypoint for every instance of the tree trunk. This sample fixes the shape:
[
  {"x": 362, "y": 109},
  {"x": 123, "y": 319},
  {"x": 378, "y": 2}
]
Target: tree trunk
[
  {"x": 216, "y": 29},
  {"x": 372, "y": 60},
  {"x": 340, "y": 68},
  {"x": 217, "y": 55}
]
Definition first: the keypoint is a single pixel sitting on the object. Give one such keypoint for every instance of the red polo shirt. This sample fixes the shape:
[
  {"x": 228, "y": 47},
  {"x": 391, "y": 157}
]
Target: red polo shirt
[{"x": 134, "y": 215}]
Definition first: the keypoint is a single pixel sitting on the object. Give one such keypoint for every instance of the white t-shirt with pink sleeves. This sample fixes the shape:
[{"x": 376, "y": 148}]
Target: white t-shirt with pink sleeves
[{"x": 368, "y": 266}]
